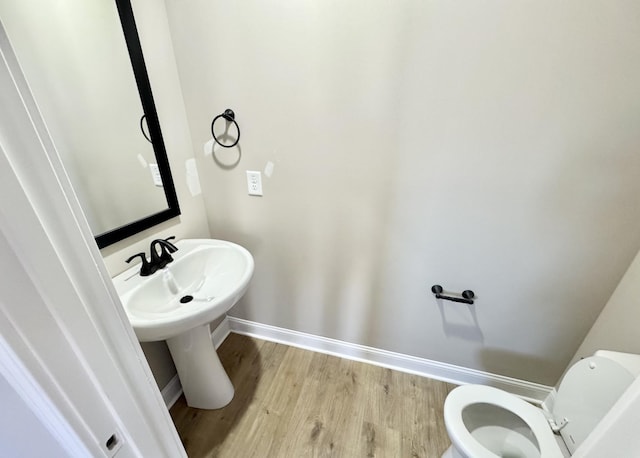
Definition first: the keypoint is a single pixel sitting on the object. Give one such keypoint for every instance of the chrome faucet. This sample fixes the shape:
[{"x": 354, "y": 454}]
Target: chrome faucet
[{"x": 156, "y": 261}]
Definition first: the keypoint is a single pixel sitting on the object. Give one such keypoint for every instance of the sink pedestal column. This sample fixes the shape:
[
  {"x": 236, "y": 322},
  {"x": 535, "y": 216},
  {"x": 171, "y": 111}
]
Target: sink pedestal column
[{"x": 204, "y": 381}]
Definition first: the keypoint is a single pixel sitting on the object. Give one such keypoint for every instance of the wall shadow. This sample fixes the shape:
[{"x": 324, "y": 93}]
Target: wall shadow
[
  {"x": 203, "y": 431},
  {"x": 520, "y": 365},
  {"x": 226, "y": 158},
  {"x": 460, "y": 321}
]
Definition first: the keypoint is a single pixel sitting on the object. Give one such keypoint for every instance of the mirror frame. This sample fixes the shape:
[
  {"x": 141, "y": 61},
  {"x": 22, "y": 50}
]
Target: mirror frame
[{"x": 148, "y": 105}]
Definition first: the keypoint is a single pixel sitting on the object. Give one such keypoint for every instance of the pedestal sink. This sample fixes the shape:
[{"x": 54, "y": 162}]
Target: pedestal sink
[{"x": 176, "y": 304}]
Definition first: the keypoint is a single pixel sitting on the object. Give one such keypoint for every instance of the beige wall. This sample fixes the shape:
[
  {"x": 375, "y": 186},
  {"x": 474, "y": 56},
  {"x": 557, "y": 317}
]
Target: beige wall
[
  {"x": 489, "y": 146},
  {"x": 617, "y": 326}
]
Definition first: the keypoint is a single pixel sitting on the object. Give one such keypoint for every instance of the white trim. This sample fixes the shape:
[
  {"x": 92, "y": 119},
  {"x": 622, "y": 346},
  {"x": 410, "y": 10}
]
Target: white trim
[
  {"x": 547, "y": 404},
  {"x": 221, "y": 332},
  {"x": 529, "y": 391},
  {"x": 532, "y": 392},
  {"x": 173, "y": 390}
]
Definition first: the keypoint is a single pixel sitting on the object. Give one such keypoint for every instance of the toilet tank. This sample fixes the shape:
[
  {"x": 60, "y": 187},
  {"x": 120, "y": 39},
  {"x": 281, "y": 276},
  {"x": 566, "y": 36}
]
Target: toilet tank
[{"x": 589, "y": 389}]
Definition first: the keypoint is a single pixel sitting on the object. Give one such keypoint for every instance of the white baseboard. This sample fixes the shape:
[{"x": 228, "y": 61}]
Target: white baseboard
[
  {"x": 532, "y": 392},
  {"x": 549, "y": 402},
  {"x": 221, "y": 332},
  {"x": 172, "y": 390}
]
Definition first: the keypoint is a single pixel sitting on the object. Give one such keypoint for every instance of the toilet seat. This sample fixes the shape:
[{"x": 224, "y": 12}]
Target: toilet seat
[{"x": 468, "y": 395}]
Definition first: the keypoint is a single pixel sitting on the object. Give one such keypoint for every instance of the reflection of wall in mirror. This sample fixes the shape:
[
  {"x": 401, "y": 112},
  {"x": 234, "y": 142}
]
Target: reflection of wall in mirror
[{"x": 75, "y": 59}]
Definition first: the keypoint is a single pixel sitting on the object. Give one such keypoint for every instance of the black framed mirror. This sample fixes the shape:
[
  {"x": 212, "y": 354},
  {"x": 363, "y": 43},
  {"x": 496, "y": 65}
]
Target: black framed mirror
[
  {"x": 155, "y": 133},
  {"x": 84, "y": 64}
]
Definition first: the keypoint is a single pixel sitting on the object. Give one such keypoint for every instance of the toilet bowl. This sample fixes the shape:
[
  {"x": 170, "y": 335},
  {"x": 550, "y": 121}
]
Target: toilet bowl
[{"x": 485, "y": 422}]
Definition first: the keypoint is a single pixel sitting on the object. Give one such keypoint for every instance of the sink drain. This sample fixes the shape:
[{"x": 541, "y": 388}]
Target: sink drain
[{"x": 185, "y": 299}]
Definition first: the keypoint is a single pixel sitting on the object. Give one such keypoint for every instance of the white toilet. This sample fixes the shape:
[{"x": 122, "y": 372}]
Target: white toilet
[{"x": 485, "y": 422}]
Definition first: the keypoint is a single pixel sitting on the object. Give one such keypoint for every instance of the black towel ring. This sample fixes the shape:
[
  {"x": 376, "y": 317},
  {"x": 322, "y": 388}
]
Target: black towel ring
[
  {"x": 228, "y": 116},
  {"x": 142, "y": 128}
]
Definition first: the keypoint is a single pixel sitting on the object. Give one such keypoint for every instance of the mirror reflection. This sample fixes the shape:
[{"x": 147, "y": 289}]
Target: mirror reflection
[{"x": 74, "y": 56}]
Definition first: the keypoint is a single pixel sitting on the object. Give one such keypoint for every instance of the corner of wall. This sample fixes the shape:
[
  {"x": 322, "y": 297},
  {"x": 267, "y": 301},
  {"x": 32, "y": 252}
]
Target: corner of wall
[{"x": 616, "y": 326}]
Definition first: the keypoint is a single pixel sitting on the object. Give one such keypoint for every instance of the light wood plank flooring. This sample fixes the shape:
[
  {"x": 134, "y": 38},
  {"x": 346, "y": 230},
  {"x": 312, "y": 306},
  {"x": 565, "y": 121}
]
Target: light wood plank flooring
[{"x": 297, "y": 403}]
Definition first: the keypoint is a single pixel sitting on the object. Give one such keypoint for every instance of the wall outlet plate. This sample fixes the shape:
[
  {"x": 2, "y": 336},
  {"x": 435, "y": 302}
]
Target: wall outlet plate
[
  {"x": 254, "y": 183},
  {"x": 155, "y": 175}
]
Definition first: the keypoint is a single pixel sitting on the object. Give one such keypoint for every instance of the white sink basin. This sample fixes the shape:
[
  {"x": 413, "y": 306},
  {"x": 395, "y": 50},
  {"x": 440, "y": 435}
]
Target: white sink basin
[
  {"x": 214, "y": 274},
  {"x": 176, "y": 304}
]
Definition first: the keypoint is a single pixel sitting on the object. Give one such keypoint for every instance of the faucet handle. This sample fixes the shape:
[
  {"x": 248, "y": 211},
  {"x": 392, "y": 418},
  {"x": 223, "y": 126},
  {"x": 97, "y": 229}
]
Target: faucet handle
[
  {"x": 142, "y": 256},
  {"x": 146, "y": 269}
]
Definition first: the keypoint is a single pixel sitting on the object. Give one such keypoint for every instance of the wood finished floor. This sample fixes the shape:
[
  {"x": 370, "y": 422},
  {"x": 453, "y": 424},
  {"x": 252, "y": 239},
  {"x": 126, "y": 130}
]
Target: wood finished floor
[{"x": 297, "y": 403}]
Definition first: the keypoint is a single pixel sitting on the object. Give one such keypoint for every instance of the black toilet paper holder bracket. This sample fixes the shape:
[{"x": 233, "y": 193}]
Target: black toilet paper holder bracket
[{"x": 467, "y": 295}]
